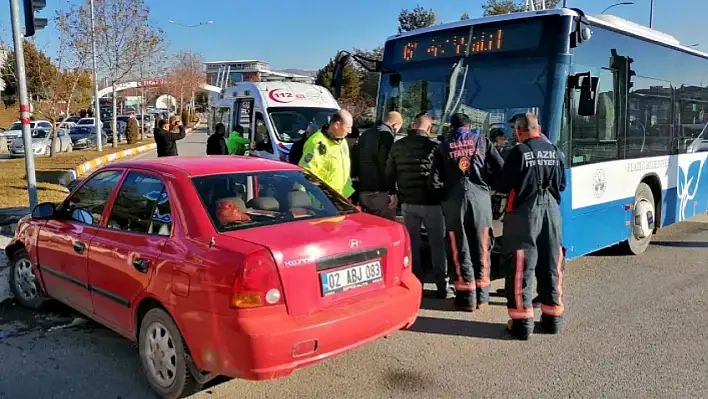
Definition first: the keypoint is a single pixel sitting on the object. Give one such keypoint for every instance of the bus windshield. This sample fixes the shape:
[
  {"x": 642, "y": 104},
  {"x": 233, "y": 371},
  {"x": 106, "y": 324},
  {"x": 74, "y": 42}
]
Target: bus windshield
[
  {"x": 490, "y": 92},
  {"x": 290, "y": 123}
]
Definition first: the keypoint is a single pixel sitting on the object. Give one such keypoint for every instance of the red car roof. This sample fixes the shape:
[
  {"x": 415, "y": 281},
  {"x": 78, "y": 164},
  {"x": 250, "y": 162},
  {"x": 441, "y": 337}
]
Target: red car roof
[{"x": 209, "y": 165}]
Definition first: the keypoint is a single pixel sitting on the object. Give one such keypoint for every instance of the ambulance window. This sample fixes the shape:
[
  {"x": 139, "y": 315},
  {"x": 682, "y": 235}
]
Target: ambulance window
[
  {"x": 245, "y": 112},
  {"x": 263, "y": 142}
]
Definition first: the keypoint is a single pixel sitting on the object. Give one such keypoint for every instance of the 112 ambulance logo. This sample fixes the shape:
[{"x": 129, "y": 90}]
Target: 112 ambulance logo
[{"x": 284, "y": 96}]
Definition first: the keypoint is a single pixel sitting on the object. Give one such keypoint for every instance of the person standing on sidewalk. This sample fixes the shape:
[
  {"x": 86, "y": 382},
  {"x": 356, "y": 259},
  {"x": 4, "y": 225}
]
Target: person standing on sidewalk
[
  {"x": 463, "y": 162},
  {"x": 373, "y": 150},
  {"x": 408, "y": 175}
]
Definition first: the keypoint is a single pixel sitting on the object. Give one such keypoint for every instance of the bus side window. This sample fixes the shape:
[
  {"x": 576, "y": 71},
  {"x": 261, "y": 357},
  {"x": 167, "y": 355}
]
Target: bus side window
[
  {"x": 262, "y": 138},
  {"x": 595, "y": 137}
]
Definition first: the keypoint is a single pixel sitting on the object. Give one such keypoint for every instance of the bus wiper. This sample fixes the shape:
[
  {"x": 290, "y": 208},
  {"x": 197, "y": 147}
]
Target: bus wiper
[{"x": 451, "y": 95}]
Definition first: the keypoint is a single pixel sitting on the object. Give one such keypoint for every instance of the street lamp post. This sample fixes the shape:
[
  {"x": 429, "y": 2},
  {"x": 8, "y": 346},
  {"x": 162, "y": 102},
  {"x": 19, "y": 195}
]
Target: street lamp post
[
  {"x": 624, "y": 3},
  {"x": 191, "y": 54},
  {"x": 96, "y": 105}
]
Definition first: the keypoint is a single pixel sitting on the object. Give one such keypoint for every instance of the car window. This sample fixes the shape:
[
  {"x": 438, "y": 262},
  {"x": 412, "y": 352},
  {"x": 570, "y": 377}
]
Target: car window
[
  {"x": 87, "y": 203},
  {"x": 136, "y": 207},
  {"x": 39, "y": 134},
  {"x": 244, "y": 200}
]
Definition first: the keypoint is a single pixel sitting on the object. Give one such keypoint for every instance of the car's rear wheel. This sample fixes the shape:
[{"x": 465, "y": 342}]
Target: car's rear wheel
[
  {"x": 163, "y": 354},
  {"x": 643, "y": 220},
  {"x": 23, "y": 281}
]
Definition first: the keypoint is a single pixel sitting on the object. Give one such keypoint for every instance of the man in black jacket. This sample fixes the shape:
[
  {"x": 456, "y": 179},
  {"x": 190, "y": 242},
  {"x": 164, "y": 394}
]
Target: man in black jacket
[
  {"x": 166, "y": 140},
  {"x": 373, "y": 149},
  {"x": 408, "y": 175},
  {"x": 216, "y": 143}
]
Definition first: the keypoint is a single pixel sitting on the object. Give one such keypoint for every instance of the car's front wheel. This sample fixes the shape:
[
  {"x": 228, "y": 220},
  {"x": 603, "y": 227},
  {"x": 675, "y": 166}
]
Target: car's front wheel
[
  {"x": 23, "y": 281},
  {"x": 163, "y": 354}
]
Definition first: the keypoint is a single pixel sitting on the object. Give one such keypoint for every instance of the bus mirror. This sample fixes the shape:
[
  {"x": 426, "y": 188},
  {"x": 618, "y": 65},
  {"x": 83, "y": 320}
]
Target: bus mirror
[
  {"x": 340, "y": 62},
  {"x": 587, "y": 105}
]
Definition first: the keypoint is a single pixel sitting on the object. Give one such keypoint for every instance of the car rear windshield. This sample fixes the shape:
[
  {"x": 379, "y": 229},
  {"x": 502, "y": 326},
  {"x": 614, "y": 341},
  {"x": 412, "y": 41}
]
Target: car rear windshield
[{"x": 243, "y": 200}]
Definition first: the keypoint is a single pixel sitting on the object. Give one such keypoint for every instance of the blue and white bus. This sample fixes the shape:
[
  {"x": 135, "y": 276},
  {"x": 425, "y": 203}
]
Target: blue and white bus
[{"x": 626, "y": 105}]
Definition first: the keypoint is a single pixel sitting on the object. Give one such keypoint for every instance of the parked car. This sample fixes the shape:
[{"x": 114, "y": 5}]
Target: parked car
[
  {"x": 41, "y": 143},
  {"x": 255, "y": 266},
  {"x": 15, "y": 131},
  {"x": 83, "y": 135},
  {"x": 66, "y": 126}
]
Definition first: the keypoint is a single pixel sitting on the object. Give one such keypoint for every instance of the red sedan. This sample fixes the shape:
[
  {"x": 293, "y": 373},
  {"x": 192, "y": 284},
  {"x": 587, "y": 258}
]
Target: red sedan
[{"x": 231, "y": 266}]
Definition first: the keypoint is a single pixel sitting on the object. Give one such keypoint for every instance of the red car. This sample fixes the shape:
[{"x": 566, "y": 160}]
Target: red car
[{"x": 230, "y": 266}]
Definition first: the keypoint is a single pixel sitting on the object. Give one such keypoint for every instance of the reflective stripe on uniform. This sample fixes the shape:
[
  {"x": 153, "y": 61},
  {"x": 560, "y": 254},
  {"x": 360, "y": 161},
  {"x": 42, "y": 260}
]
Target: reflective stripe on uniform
[
  {"x": 519, "y": 280},
  {"x": 521, "y": 314},
  {"x": 557, "y": 310},
  {"x": 484, "y": 281},
  {"x": 460, "y": 284}
]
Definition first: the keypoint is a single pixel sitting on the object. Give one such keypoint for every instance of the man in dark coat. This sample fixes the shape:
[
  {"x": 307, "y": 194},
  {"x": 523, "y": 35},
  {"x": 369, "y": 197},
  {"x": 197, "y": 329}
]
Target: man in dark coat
[
  {"x": 166, "y": 140},
  {"x": 216, "y": 143}
]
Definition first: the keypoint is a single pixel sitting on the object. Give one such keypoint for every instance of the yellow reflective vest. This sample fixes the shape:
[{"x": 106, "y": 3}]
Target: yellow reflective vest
[{"x": 329, "y": 160}]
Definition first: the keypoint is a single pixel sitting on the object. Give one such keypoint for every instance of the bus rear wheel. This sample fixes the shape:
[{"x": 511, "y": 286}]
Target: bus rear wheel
[{"x": 643, "y": 220}]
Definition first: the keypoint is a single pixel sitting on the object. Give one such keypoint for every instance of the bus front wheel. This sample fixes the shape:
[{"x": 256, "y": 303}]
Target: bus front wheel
[{"x": 643, "y": 220}]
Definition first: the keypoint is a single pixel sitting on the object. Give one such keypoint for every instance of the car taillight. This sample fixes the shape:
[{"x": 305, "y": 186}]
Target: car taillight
[
  {"x": 407, "y": 252},
  {"x": 257, "y": 282}
]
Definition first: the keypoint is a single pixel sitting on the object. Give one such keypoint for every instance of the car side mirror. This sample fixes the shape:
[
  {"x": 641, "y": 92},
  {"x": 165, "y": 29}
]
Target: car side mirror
[{"x": 44, "y": 210}]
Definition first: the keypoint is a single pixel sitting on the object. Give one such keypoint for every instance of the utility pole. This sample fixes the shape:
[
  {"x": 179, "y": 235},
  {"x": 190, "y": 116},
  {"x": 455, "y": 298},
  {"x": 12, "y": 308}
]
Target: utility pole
[
  {"x": 96, "y": 105},
  {"x": 24, "y": 102},
  {"x": 651, "y": 14}
]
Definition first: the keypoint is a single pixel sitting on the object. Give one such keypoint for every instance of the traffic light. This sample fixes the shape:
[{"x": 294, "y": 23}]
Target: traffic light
[{"x": 33, "y": 24}]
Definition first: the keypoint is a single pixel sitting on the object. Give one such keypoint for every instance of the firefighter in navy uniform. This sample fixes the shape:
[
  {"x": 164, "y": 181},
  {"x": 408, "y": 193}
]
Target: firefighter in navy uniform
[
  {"x": 533, "y": 176},
  {"x": 462, "y": 163}
]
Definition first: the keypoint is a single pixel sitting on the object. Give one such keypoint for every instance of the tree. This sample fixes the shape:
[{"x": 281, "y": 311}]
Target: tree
[
  {"x": 350, "y": 79},
  {"x": 184, "y": 76},
  {"x": 464, "y": 16},
  {"x": 497, "y": 7},
  {"x": 123, "y": 32},
  {"x": 39, "y": 69},
  {"x": 416, "y": 19}
]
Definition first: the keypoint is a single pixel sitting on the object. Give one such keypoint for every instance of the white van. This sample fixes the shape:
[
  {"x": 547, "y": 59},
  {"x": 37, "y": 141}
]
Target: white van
[{"x": 273, "y": 115}]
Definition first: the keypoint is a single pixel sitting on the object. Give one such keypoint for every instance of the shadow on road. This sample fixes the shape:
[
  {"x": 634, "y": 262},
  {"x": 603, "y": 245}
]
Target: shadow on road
[
  {"x": 681, "y": 244},
  {"x": 460, "y": 328}
]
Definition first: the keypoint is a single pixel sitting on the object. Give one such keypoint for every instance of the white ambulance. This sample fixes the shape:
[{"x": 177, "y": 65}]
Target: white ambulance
[{"x": 273, "y": 115}]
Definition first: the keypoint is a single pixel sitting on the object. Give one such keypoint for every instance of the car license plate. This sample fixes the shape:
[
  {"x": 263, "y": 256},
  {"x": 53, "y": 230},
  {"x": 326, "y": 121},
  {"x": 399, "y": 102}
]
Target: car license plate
[{"x": 351, "y": 277}]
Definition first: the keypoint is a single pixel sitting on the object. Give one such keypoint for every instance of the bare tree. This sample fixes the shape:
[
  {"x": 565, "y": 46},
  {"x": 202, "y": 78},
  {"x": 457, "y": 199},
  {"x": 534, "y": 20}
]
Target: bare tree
[
  {"x": 123, "y": 32},
  {"x": 185, "y": 76}
]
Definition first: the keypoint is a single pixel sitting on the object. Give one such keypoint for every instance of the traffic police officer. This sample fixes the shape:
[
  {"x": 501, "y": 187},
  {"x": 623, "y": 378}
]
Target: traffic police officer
[
  {"x": 462, "y": 163},
  {"x": 534, "y": 178},
  {"x": 326, "y": 153}
]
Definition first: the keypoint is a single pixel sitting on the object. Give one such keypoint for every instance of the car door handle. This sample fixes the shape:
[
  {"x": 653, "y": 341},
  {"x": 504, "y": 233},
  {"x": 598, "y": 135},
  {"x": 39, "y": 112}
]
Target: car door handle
[
  {"x": 141, "y": 264},
  {"x": 79, "y": 247}
]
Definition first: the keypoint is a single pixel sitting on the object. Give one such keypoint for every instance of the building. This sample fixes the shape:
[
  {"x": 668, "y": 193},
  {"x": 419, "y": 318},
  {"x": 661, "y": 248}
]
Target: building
[{"x": 248, "y": 71}]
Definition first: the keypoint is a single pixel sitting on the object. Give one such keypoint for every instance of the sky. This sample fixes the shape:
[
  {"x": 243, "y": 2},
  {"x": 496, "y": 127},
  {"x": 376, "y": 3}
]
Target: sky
[{"x": 306, "y": 34}]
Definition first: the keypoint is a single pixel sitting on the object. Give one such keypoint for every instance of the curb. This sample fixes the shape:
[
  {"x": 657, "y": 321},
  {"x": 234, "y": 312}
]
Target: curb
[{"x": 73, "y": 174}]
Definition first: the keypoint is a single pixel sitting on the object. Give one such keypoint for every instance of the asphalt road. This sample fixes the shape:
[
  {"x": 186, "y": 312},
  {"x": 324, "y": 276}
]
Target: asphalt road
[{"x": 635, "y": 327}]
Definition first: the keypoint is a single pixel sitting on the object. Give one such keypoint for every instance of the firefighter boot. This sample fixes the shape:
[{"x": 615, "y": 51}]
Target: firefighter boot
[
  {"x": 520, "y": 329},
  {"x": 551, "y": 324}
]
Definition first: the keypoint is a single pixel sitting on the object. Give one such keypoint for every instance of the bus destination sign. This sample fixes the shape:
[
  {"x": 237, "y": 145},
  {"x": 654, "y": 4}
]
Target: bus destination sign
[{"x": 458, "y": 42}]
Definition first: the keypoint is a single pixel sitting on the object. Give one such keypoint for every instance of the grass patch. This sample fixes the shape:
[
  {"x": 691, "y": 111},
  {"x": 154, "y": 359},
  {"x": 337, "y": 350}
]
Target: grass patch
[{"x": 13, "y": 183}]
